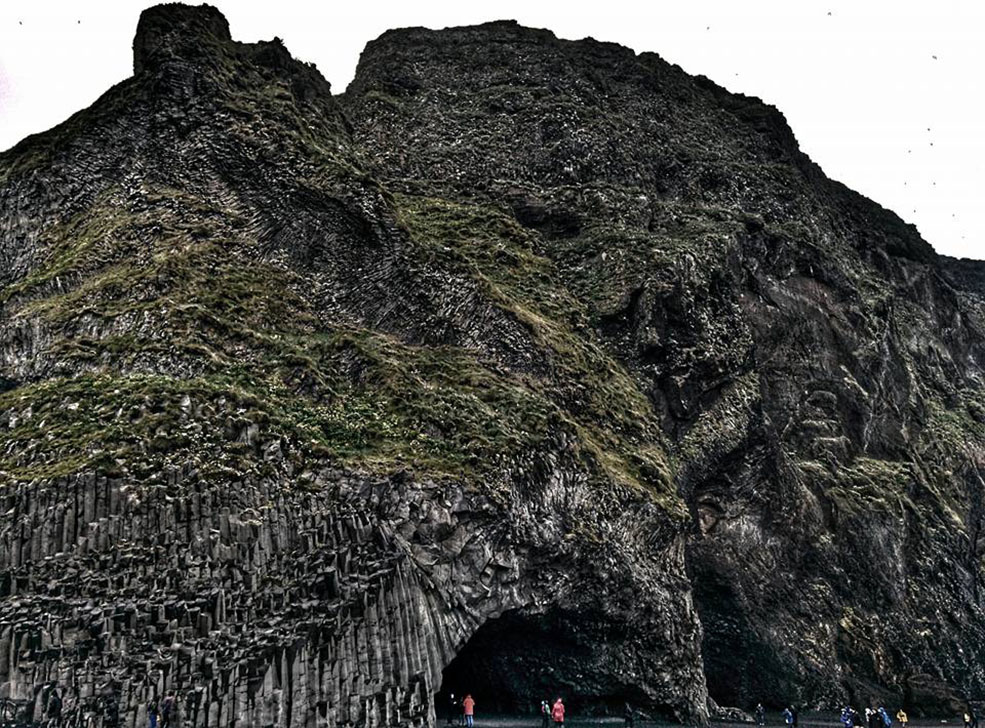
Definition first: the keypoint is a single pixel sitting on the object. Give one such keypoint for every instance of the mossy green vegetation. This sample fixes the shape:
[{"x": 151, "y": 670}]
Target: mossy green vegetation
[
  {"x": 172, "y": 283},
  {"x": 865, "y": 486},
  {"x": 614, "y": 420}
]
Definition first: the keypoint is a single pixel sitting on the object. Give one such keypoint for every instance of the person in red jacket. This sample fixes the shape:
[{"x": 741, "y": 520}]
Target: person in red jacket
[
  {"x": 557, "y": 712},
  {"x": 468, "y": 705}
]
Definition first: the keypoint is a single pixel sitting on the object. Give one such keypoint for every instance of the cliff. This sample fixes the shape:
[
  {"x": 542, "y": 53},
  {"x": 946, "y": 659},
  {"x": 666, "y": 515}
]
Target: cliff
[{"x": 534, "y": 353}]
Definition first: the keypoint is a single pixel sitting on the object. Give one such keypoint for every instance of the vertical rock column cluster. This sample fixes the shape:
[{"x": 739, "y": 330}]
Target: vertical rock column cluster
[{"x": 256, "y": 606}]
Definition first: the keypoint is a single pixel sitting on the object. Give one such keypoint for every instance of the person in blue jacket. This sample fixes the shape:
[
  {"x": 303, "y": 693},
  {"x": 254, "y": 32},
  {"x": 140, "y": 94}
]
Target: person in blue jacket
[
  {"x": 848, "y": 717},
  {"x": 788, "y": 717},
  {"x": 886, "y": 720}
]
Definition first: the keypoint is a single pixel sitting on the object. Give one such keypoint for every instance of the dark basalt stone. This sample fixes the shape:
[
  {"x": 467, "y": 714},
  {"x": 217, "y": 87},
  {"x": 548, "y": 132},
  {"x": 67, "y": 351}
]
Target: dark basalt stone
[{"x": 524, "y": 366}]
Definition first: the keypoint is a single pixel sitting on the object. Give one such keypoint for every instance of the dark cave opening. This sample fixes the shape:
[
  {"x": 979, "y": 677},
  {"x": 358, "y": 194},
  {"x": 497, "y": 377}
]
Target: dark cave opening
[
  {"x": 515, "y": 661},
  {"x": 506, "y": 666}
]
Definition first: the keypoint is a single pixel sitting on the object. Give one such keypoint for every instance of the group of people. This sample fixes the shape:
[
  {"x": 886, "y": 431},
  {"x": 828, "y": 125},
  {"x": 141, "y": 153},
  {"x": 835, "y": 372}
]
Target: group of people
[
  {"x": 874, "y": 718},
  {"x": 851, "y": 718},
  {"x": 549, "y": 713},
  {"x": 162, "y": 714},
  {"x": 790, "y": 716},
  {"x": 465, "y": 710}
]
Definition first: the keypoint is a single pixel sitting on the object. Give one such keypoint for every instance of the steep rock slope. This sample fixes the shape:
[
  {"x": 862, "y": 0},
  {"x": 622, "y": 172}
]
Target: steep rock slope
[
  {"x": 816, "y": 368},
  {"x": 283, "y": 440}
]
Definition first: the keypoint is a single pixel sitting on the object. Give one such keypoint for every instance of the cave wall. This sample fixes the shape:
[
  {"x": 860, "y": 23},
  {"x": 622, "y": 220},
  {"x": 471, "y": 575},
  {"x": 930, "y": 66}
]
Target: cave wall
[{"x": 342, "y": 605}]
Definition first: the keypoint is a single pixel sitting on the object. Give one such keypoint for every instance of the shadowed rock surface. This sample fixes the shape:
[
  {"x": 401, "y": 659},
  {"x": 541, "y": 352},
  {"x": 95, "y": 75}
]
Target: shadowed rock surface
[
  {"x": 537, "y": 353},
  {"x": 271, "y": 440},
  {"x": 815, "y": 366}
]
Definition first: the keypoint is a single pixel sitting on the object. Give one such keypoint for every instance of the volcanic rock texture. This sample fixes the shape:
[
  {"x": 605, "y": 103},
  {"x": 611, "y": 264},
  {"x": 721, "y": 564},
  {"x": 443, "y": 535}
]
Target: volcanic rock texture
[{"x": 536, "y": 352}]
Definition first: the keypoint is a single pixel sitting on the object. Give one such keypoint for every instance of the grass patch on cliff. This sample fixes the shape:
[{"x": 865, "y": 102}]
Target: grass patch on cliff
[
  {"x": 229, "y": 326},
  {"x": 432, "y": 411},
  {"x": 239, "y": 329},
  {"x": 169, "y": 283},
  {"x": 869, "y": 484},
  {"x": 615, "y": 422},
  {"x": 608, "y": 262}
]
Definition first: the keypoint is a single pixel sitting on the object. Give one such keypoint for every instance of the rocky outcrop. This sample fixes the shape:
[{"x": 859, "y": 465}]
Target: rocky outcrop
[
  {"x": 525, "y": 366},
  {"x": 340, "y": 604},
  {"x": 272, "y": 439},
  {"x": 815, "y": 366}
]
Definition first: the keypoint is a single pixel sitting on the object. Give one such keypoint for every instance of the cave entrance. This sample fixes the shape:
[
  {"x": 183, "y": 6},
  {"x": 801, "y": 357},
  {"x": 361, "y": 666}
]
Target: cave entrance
[{"x": 517, "y": 660}]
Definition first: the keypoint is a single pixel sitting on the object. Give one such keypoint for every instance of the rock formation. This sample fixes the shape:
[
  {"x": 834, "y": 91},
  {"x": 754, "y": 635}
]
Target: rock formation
[{"x": 536, "y": 352}]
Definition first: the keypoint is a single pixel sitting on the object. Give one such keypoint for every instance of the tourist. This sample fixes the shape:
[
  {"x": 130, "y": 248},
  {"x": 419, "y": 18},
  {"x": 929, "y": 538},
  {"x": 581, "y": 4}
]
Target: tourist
[
  {"x": 452, "y": 708},
  {"x": 557, "y": 712},
  {"x": 152, "y": 713},
  {"x": 902, "y": 717},
  {"x": 627, "y": 716},
  {"x": 54, "y": 708},
  {"x": 168, "y": 709},
  {"x": 848, "y": 717},
  {"x": 760, "y": 715},
  {"x": 887, "y": 722},
  {"x": 468, "y": 706},
  {"x": 545, "y": 714},
  {"x": 788, "y": 716}
]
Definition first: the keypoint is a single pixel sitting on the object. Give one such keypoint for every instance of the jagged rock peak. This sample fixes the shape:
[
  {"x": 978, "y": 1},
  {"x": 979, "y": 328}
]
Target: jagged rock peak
[
  {"x": 176, "y": 30},
  {"x": 185, "y": 42}
]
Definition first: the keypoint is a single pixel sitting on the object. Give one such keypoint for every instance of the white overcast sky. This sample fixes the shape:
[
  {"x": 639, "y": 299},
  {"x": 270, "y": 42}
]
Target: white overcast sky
[{"x": 887, "y": 96}]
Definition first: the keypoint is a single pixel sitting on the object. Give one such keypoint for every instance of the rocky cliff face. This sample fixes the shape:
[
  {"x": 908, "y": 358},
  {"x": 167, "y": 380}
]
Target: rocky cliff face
[
  {"x": 283, "y": 440},
  {"x": 536, "y": 353},
  {"x": 816, "y": 368}
]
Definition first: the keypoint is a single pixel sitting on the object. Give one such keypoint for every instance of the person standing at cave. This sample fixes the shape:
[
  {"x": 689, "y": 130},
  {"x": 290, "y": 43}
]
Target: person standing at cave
[
  {"x": 796, "y": 718},
  {"x": 54, "y": 708},
  {"x": 627, "y": 716},
  {"x": 884, "y": 718},
  {"x": 168, "y": 709},
  {"x": 788, "y": 717},
  {"x": 452, "y": 708},
  {"x": 902, "y": 717},
  {"x": 152, "y": 713},
  {"x": 468, "y": 708},
  {"x": 557, "y": 712},
  {"x": 848, "y": 717},
  {"x": 545, "y": 714},
  {"x": 974, "y": 716},
  {"x": 760, "y": 715}
]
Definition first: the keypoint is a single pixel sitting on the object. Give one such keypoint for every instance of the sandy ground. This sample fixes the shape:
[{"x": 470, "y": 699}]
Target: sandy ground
[{"x": 819, "y": 720}]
